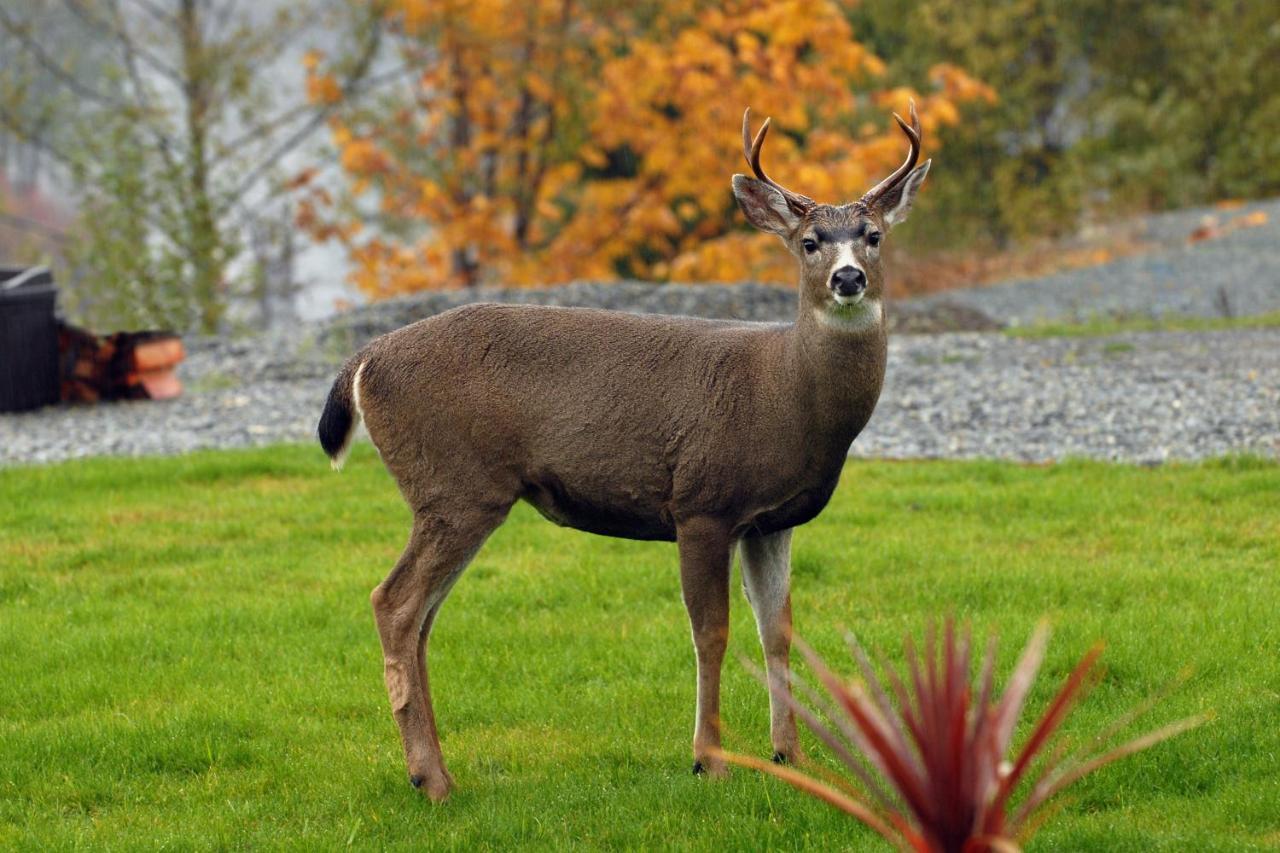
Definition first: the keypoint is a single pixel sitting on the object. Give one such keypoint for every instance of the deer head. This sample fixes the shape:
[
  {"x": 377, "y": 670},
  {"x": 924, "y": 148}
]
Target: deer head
[{"x": 838, "y": 246}]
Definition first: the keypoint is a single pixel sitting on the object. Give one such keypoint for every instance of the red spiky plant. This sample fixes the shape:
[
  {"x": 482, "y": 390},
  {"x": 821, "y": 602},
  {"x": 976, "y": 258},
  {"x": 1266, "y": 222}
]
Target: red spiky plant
[{"x": 943, "y": 748}]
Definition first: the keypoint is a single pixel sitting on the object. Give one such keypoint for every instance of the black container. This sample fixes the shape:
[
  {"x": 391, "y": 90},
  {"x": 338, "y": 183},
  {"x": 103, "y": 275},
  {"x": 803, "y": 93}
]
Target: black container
[{"x": 28, "y": 339}]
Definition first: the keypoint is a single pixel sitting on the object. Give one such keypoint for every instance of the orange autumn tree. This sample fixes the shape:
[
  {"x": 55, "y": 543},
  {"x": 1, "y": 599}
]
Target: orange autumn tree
[{"x": 552, "y": 140}]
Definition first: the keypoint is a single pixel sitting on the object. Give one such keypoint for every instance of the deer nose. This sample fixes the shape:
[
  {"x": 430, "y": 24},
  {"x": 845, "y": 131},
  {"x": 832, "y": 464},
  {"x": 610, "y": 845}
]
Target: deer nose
[{"x": 848, "y": 281}]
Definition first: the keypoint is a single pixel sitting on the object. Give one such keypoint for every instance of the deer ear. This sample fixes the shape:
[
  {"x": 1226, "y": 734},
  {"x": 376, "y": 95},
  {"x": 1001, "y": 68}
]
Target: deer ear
[
  {"x": 895, "y": 204},
  {"x": 764, "y": 206}
]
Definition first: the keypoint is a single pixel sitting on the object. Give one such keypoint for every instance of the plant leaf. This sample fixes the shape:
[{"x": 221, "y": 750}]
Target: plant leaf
[
  {"x": 1048, "y": 723},
  {"x": 1050, "y": 787},
  {"x": 847, "y": 804}
]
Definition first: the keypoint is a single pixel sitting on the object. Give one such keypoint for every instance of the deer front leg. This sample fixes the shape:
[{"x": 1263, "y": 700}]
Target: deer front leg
[
  {"x": 766, "y": 578},
  {"x": 705, "y": 552}
]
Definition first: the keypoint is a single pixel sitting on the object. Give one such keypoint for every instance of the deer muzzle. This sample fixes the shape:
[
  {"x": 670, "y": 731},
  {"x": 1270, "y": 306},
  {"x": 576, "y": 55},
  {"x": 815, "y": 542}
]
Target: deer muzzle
[{"x": 848, "y": 283}]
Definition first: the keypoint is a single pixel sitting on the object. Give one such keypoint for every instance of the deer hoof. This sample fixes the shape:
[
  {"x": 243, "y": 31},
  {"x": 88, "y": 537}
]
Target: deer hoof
[
  {"x": 779, "y": 758},
  {"x": 710, "y": 767},
  {"x": 436, "y": 789}
]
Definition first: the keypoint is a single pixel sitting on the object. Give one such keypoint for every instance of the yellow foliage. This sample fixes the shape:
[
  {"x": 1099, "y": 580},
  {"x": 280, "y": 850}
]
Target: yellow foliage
[
  {"x": 547, "y": 142},
  {"x": 361, "y": 158},
  {"x": 322, "y": 88}
]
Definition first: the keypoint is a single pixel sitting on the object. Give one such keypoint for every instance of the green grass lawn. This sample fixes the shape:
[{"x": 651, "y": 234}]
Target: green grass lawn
[{"x": 188, "y": 658}]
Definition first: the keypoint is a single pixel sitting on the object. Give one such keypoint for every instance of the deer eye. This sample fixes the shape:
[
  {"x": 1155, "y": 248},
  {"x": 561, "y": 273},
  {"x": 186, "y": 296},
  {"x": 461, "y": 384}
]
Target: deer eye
[
  {"x": 810, "y": 246},
  {"x": 873, "y": 239}
]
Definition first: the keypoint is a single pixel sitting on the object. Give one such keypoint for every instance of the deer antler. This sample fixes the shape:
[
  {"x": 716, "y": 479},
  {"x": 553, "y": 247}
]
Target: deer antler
[
  {"x": 913, "y": 133},
  {"x": 799, "y": 204}
]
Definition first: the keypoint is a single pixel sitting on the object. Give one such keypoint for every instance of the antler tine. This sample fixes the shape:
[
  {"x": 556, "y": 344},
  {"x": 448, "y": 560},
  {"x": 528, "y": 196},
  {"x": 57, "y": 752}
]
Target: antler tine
[
  {"x": 754, "y": 155},
  {"x": 913, "y": 133},
  {"x": 751, "y": 150},
  {"x": 746, "y": 139}
]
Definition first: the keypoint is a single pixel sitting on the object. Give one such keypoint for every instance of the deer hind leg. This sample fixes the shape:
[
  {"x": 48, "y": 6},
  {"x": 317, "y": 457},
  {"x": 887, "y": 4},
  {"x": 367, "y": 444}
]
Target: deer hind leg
[
  {"x": 766, "y": 578},
  {"x": 705, "y": 553},
  {"x": 405, "y": 606}
]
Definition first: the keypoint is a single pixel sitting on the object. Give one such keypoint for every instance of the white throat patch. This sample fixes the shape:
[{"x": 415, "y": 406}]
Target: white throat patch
[{"x": 858, "y": 316}]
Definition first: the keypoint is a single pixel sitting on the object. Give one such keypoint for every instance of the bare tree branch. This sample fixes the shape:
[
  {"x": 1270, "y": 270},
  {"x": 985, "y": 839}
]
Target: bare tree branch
[
  {"x": 22, "y": 223},
  {"x": 163, "y": 225},
  {"x": 249, "y": 47},
  {"x": 33, "y": 137},
  {"x": 299, "y": 111},
  {"x": 157, "y": 13},
  {"x": 160, "y": 66},
  {"x": 181, "y": 152},
  {"x": 163, "y": 141},
  {"x": 49, "y": 64},
  {"x": 219, "y": 20},
  {"x": 373, "y": 42}
]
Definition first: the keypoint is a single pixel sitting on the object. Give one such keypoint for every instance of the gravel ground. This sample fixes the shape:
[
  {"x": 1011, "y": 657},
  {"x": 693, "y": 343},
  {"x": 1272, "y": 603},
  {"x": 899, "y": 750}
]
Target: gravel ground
[
  {"x": 1140, "y": 397},
  {"x": 745, "y": 301},
  {"x": 1147, "y": 397},
  {"x": 1136, "y": 397},
  {"x": 1236, "y": 274}
]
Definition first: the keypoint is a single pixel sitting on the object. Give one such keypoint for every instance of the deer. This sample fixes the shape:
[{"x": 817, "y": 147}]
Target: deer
[{"x": 720, "y": 436}]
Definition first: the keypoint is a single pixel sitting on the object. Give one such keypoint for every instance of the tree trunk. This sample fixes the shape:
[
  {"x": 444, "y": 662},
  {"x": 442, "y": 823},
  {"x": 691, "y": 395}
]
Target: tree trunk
[{"x": 203, "y": 236}]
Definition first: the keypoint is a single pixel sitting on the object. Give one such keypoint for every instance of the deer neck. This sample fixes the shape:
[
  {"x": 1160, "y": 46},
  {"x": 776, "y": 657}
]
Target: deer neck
[{"x": 839, "y": 358}]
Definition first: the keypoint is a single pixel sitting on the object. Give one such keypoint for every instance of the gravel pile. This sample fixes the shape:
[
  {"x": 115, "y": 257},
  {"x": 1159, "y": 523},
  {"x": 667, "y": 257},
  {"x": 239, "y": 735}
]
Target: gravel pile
[
  {"x": 1139, "y": 397},
  {"x": 1236, "y": 274},
  {"x": 746, "y": 301},
  {"x": 254, "y": 414},
  {"x": 1145, "y": 397}
]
